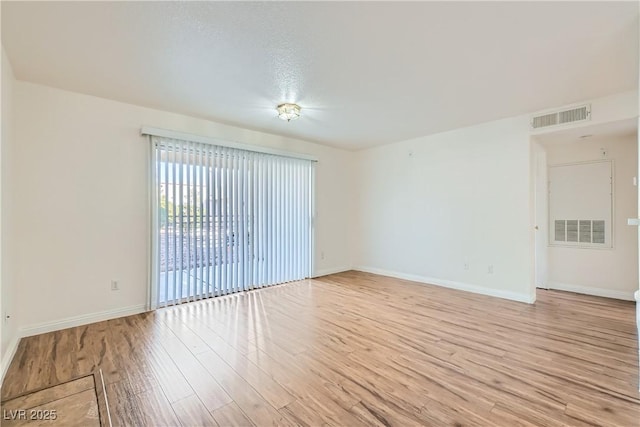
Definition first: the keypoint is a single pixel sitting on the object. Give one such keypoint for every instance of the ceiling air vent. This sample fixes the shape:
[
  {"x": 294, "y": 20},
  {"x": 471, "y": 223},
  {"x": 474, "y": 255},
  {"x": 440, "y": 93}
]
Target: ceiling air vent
[{"x": 562, "y": 117}]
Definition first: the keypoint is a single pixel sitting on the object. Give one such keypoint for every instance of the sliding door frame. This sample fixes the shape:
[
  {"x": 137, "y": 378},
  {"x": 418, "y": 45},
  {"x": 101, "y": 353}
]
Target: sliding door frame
[{"x": 153, "y": 198}]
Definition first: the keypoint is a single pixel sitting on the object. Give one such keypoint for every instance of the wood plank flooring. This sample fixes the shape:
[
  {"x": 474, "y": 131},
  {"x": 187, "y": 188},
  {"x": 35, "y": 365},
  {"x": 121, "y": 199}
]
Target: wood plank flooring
[
  {"x": 78, "y": 402},
  {"x": 355, "y": 349}
]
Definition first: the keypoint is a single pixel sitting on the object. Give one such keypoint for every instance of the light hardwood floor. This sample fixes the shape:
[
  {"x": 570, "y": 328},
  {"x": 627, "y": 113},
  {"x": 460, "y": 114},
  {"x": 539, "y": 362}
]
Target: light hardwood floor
[
  {"x": 79, "y": 402},
  {"x": 355, "y": 349}
]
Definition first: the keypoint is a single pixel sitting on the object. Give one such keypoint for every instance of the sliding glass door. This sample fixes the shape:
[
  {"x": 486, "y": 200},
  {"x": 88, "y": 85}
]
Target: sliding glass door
[{"x": 227, "y": 220}]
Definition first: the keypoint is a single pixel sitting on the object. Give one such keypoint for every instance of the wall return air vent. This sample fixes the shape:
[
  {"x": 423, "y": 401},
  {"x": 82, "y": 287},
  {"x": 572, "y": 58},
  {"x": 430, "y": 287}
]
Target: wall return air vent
[{"x": 562, "y": 117}]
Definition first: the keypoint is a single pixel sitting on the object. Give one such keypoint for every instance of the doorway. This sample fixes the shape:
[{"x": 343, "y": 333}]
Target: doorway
[
  {"x": 227, "y": 220},
  {"x": 585, "y": 189}
]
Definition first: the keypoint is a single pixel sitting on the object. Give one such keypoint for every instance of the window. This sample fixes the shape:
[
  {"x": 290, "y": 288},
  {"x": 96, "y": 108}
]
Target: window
[{"x": 227, "y": 220}]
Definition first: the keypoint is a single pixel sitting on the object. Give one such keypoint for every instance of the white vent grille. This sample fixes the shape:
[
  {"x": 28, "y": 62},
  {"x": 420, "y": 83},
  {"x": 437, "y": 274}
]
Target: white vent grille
[
  {"x": 579, "y": 231},
  {"x": 577, "y": 114},
  {"x": 544, "y": 121}
]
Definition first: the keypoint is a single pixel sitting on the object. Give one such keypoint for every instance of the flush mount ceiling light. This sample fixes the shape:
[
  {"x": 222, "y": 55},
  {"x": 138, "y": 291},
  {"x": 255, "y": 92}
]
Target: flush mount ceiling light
[{"x": 288, "y": 112}]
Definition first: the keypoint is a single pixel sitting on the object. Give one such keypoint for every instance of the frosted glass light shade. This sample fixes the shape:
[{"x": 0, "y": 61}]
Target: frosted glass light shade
[{"x": 288, "y": 112}]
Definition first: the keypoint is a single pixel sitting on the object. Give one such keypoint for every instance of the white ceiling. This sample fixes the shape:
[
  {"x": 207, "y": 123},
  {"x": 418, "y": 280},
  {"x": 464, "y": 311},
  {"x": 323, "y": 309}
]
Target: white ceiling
[{"x": 365, "y": 73}]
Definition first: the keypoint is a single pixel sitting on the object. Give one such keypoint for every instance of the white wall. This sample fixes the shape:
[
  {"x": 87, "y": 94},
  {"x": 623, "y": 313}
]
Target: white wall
[
  {"x": 445, "y": 208},
  {"x": 81, "y": 173},
  {"x": 8, "y": 331},
  {"x": 607, "y": 272},
  {"x": 419, "y": 209},
  {"x": 429, "y": 205}
]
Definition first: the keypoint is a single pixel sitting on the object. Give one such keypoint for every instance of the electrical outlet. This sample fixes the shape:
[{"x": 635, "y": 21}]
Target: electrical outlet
[
  {"x": 490, "y": 269},
  {"x": 115, "y": 285}
]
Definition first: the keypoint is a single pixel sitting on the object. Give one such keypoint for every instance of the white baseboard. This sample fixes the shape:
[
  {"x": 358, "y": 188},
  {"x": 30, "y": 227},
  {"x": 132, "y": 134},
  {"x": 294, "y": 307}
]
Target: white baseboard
[
  {"x": 328, "y": 271},
  {"x": 598, "y": 292},
  {"x": 514, "y": 296},
  {"x": 83, "y": 319},
  {"x": 69, "y": 322},
  {"x": 8, "y": 357}
]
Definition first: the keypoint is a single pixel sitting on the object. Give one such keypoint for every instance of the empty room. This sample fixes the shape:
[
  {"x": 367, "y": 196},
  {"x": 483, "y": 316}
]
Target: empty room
[{"x": 319, "y": 213}]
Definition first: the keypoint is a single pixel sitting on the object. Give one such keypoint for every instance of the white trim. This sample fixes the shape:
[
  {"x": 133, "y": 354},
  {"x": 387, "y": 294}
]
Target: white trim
[
  {"x": 598, "y": 292},
  {"x": 57, "y": 325},
  {"x": 152, "y": 279},
  {"x": 8, "y": 357},
  {"x": 636, "y": 295},
  {"x": 312, "y": 223},
  {"x": 514, "y": 296},
  {"x": 328, "y": 271},
  {"x": 83, "y": 319},
  {"x": 166, "y": 133}
]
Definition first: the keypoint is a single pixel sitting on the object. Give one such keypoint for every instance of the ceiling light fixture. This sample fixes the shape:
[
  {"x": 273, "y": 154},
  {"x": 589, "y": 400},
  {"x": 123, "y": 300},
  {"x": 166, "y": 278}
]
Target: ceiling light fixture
[{"x": 288, "y": 112}]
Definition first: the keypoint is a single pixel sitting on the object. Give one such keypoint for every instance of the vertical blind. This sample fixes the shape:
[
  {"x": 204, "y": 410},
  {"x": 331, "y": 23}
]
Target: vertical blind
[{"x": 227, "y": 220}]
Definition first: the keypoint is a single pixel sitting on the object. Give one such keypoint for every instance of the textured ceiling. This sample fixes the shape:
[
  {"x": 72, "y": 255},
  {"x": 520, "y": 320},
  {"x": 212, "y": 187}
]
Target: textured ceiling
[{"x": 365, "y": 73}]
